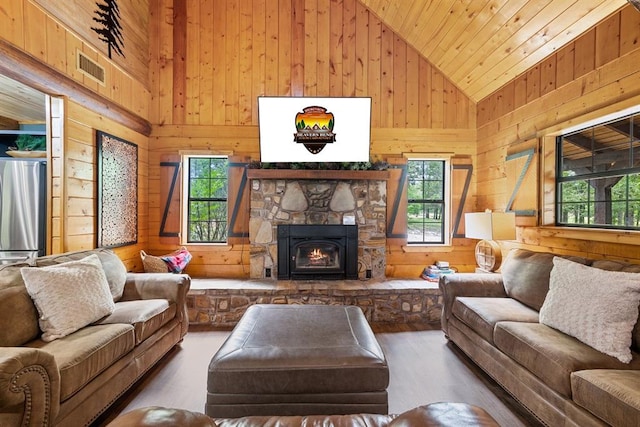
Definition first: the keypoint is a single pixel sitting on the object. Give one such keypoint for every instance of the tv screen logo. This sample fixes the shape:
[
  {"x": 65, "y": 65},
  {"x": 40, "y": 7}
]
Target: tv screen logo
[{"x": 314, "y": 128}]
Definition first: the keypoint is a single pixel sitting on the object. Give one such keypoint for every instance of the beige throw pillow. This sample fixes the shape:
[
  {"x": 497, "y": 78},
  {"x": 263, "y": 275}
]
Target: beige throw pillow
[
  {"x": 68, "y": 296},
  {"x": 598, "y": 307}
]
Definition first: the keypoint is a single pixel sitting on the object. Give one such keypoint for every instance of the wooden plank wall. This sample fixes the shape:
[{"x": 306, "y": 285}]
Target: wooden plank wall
[
  {"x": 32, "y": 30},
  {"x": 133, "y": 17},
  {"x": 211, "y": 59},
  {"x": 594, "y": 76},
  {"x": 76, "y": 213},
  {"x": 72, "y": 155}
]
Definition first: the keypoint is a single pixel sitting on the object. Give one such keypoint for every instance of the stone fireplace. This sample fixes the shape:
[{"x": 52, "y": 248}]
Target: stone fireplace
[{"x": 322, "y": 198}]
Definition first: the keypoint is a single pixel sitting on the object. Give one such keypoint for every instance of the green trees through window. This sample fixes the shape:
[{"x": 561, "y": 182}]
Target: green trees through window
[
  {"x": 598, "y": 176},
  {"x": 426, "y": 201},
  {"x": 207, "y": 199}
]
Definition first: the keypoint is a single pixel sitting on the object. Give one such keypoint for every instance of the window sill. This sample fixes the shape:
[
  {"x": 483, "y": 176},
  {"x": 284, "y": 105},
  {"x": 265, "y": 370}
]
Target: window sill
[
  {"x": 221, "y": 247},
  {"x": 417, "y": 248},
  {"x": 599, "y": 235}
]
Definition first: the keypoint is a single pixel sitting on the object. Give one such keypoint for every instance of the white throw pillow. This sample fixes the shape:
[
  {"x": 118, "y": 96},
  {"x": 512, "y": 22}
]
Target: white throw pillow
[
  {"x": 68, "y": 296},
  {"x": 598, "y": 307}
]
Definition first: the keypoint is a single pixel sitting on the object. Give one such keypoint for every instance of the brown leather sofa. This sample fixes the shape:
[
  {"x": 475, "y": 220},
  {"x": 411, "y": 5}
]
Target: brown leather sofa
[
  {"x": 72, "y": 380},
  {"x": 441, "y": 414},
  {"x": 494, "y": 319}
]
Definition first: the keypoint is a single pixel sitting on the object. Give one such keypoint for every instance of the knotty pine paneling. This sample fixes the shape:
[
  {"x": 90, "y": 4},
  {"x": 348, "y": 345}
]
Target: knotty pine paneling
[
  {"x": 613, "y": 38},
  {"x": 594, "y": 76},
  {"x": 78, "y": 15},
  {"x": 72, "y": 171},
  {"x": 74, "y": 213},
  {"x": 209, "y": 65},
  {"x": 45, "y": 37},
  {"x": 232, "y": 260},
  {"x": 207, "y": 71},
  {"x": 481, "y": 45}
]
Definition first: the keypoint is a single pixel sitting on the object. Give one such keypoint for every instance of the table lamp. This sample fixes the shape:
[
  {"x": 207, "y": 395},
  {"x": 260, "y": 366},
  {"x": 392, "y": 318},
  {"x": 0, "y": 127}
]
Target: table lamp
[{"x": 489, "y": 227}]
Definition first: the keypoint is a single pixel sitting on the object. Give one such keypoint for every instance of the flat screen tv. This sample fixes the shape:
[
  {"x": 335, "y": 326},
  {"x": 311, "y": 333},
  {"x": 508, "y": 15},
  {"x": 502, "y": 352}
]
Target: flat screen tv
[{"x": 313, "y": 129}]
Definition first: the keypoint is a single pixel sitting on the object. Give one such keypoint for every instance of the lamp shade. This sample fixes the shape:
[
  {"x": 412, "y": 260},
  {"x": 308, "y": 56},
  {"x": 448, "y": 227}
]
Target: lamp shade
[{"x": 490, "y": 225}]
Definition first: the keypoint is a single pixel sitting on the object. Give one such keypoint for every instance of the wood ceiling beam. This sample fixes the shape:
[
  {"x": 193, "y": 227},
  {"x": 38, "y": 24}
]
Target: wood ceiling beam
[
  {"x": 624, "y": 129},
  {"x": 604, "y": 159},
  {"x": 581, "y": 141},
  {"x": 24, "y": 68},
  {"x": 8, "y": 124}
]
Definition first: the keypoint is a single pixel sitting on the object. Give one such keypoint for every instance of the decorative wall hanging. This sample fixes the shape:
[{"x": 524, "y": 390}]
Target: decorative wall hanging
[
  {"x": 89, "y": 20},
  {"x": 522, "y": 170},
  {"x": 169, "y": 188},
  {"x": 109, "y": 30},
  {"x": 117, "y": 191}
]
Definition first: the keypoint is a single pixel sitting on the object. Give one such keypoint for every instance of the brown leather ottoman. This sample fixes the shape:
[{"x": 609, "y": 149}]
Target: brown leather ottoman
[{"x": 298, "y": 360}]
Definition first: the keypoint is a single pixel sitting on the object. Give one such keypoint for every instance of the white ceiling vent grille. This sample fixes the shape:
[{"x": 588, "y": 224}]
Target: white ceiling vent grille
[{"x": 90, "y": 68}]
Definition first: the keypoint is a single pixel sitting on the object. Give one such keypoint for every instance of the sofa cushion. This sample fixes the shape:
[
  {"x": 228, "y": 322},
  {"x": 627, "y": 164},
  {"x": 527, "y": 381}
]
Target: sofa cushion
[
  {"x": 157, "y": 416},
  {"x": 84, "y": 354},
  {"x": 580, "y": 302},
  {"x": 68, "y": 296},
  {"x": 113, "y": 267},
  {"x": 481, "y": 314},
  {"x": 525, "y": 275},
  {"x": 612, "y": 265},
  {"x": 551, "y": 355},
  {"x": 445, "y": 414},
  {"x": 439, "y": 414},
  {"x": 14, "y": 298},
  {"x": 146, "y": 316},
  {"x": 611, "y": 395}
]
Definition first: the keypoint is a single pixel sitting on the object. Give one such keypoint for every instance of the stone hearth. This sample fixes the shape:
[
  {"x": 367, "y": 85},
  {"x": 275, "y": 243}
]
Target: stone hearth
[
  {"x": 222, "y": 302},
  {"x": 292, "y": 200}
]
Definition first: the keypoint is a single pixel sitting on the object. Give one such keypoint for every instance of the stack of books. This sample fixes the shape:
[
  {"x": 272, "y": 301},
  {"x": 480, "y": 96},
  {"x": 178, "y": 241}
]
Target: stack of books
[{"x": 433, "y": 272}]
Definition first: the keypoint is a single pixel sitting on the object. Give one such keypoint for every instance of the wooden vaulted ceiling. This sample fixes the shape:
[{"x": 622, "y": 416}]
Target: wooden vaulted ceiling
[{"x": 481, "y": 45}]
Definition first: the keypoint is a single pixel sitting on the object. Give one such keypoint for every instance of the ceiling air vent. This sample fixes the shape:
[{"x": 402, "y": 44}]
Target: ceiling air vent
[{"x": 90, "y": 68}]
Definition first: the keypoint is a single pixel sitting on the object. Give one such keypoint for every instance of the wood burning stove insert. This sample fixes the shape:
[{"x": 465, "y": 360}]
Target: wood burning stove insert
[{"x": 317, "y": 252}]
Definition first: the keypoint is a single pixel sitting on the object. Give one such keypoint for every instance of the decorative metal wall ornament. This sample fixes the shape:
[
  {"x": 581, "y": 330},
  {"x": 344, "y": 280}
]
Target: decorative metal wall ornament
[
  {"x": 110, "y": 30},
  {"x": 117, "y": 191}
]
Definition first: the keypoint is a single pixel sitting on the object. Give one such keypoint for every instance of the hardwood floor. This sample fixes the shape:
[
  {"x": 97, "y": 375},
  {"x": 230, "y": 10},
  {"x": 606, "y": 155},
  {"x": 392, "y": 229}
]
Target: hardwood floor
[{"x": 424, "y": 368}]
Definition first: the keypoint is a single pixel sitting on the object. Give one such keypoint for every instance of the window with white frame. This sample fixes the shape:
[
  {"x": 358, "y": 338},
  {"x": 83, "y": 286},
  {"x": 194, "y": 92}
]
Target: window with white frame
[
  {"x": 598, "y": 175},
  {"x": 205, "y": 199},
  {"x": 428, "y": 201}
]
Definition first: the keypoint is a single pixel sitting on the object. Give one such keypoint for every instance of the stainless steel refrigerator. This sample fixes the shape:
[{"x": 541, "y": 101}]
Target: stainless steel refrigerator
[{"x": 22, "y": 209}]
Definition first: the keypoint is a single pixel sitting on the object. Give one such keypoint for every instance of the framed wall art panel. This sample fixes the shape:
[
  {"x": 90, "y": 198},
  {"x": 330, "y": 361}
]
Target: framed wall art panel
[{"x": 117, "y": 191}]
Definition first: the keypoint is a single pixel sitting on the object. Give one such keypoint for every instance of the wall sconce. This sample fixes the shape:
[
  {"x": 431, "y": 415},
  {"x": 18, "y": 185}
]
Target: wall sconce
[{"x": 489, "y": 227}]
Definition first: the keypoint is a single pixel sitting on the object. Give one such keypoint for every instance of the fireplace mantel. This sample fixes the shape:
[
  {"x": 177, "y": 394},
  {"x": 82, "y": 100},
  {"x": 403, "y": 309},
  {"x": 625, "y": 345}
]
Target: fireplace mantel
[{"x": 317, "y": 174}]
